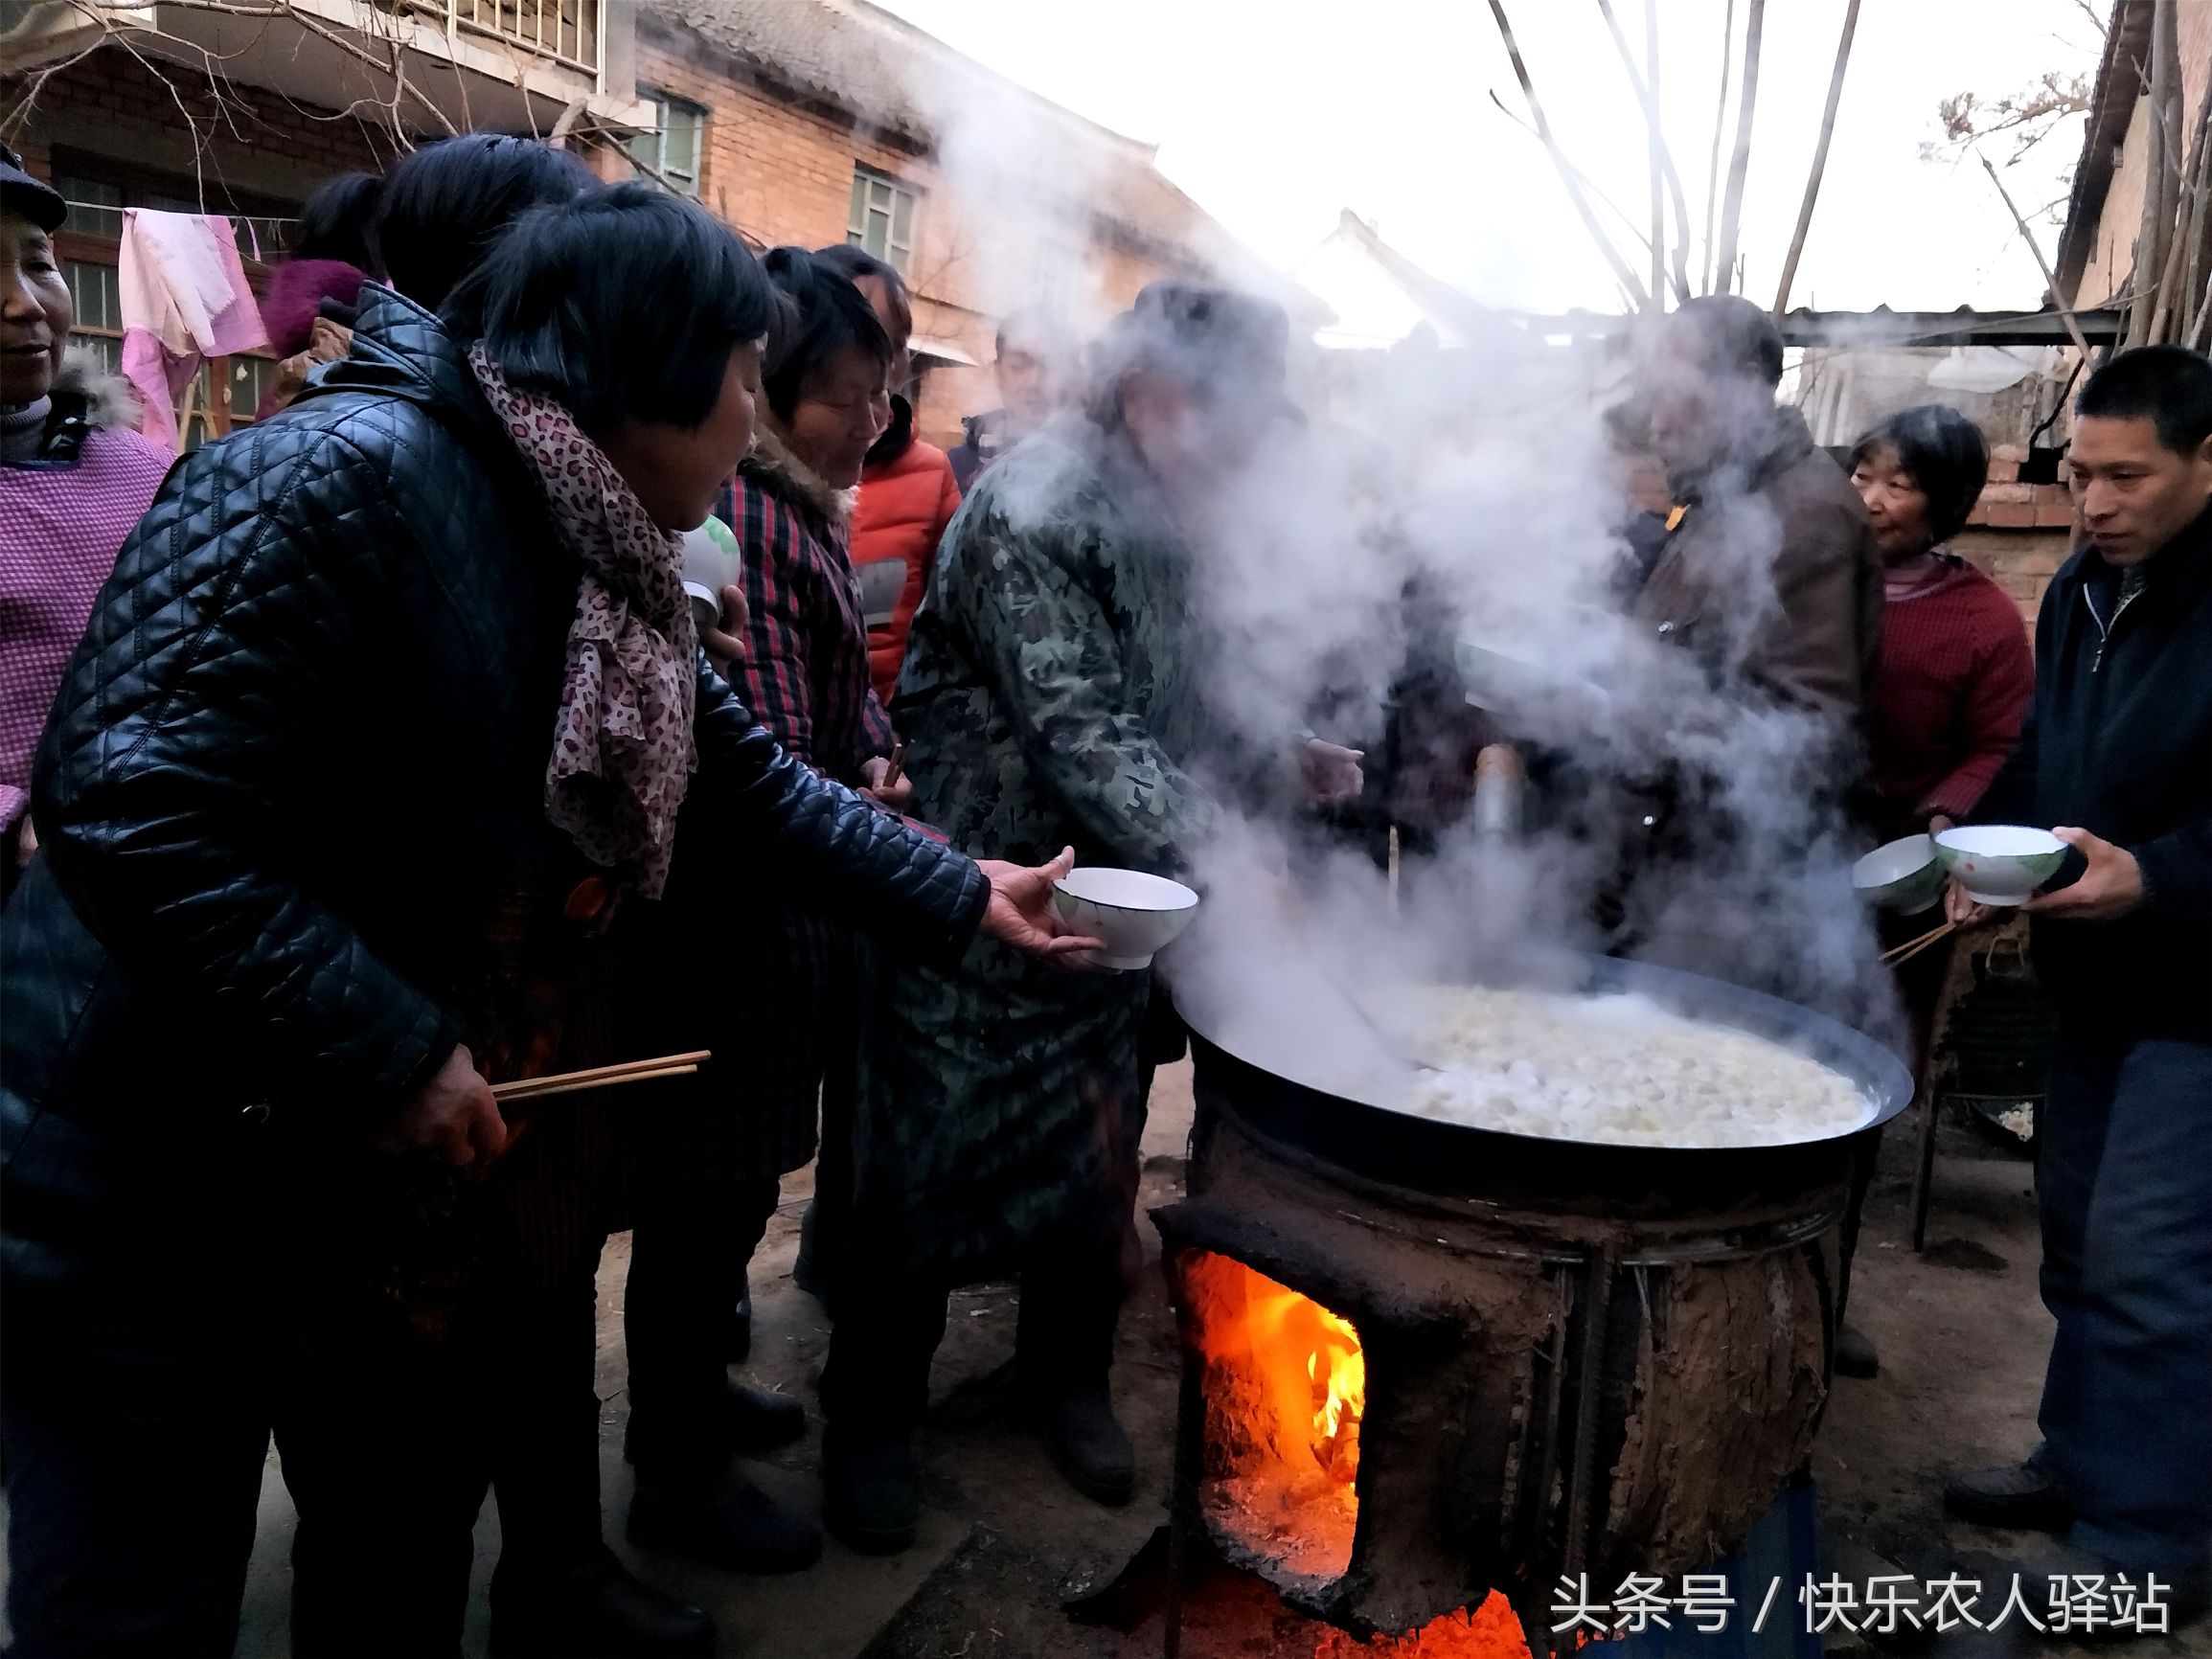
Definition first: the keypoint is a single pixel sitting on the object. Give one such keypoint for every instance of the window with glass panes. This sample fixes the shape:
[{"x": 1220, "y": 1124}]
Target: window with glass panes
[
  {"x": 227, "y": 391},
  {"x": 881, "y": 219},
  {"x": 672, "y": 147}
]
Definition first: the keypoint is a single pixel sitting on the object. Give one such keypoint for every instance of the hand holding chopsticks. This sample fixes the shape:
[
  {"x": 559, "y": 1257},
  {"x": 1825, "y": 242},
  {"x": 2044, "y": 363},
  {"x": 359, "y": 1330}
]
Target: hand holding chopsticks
[
  {"x": 1912, "y": 948},
  {"x": 601, "y": 1076}
]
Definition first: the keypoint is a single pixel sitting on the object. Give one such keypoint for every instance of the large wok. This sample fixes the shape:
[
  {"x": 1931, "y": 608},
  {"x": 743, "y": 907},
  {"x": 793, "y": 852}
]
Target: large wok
[{"x": 1277, "y": 1081}]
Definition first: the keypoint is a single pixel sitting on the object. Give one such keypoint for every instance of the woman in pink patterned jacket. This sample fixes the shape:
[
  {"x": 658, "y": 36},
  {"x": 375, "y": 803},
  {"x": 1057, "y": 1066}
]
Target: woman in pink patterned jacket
[{"x": 74, "y": 478}]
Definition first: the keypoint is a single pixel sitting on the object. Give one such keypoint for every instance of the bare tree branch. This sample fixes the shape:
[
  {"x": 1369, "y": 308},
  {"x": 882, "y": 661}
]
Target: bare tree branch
[
  {"x": 1820, "y": 157},
  {"x": 2035, "y": 112},
  {"x": 1740, "y": 160},
  {"x": 1567, "y": 177}
]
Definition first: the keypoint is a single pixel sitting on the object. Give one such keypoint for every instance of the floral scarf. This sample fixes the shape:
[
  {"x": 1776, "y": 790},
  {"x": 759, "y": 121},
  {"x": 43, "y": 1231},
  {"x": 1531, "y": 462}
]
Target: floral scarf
[{"x": 622, "y": 748}]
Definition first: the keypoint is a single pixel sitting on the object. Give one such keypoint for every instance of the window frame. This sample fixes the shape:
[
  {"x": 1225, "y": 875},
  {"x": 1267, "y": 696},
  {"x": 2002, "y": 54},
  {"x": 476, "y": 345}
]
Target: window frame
[
  {"x": 663, "y": 102},
  {"x": 860, "y": 208}
]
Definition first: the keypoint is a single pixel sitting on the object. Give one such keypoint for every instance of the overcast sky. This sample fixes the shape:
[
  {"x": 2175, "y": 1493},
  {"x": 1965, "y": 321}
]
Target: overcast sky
[{"x": 1275, "y": 114}]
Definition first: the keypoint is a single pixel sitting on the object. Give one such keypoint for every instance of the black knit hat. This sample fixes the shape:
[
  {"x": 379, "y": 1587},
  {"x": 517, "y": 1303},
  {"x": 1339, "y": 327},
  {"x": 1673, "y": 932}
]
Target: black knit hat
[{"x": 33, "y": 198}]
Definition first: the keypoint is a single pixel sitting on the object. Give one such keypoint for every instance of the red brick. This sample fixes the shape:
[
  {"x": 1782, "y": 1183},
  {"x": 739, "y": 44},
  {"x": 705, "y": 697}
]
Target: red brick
[
  {"x": 1993, "y": 494},
  {"x": 2053, "y": 516},
  {"x": 2009, "y": 516}
]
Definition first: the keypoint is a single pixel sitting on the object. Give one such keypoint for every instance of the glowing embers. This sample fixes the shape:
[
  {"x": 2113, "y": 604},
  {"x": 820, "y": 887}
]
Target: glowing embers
[
  {"x": 1286, "y": 1385},
  {"x": 1488, "y": 1631}
]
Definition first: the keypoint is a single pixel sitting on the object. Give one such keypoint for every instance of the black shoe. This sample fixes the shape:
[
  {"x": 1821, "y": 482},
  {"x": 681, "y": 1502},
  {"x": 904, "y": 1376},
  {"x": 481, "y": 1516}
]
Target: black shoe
[
  {"x": 726, "y": 1521},
  {"x": 807, "y": 1270},
  {"x": 760, "y": 1419},
  {"x": 1854, "y": 1354},
  {"x": 593, "y": 1608},
  {"x": 1088, "y": 1445},
  {"x": 872, "y": 1490},
  {"x": 2021, "y": 1496},
  {"x": 755, "y": 1420},
  {"x": 737, "y": 1346}
]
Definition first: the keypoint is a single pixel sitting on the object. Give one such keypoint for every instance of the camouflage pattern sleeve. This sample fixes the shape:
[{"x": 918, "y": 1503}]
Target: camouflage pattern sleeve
[{"x": 1057, "y": 655}]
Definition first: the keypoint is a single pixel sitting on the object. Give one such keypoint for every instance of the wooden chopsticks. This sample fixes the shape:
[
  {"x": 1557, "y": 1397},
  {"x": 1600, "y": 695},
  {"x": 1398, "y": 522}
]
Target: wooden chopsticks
[
  {"x": 1912, "y": 948},
  {"x": 601, "y": 1076},
  {"x": 896, "y": 766}
]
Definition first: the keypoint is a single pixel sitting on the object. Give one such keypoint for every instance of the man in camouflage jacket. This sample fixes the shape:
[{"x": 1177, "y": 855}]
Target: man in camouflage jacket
[{"x": 1049, "y": 699}]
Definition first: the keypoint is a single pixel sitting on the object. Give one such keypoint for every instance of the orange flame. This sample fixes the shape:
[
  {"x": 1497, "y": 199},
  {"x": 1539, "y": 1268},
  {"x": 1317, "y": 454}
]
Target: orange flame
[
  {"x": 1285, "y": 1387},
  {"x": 1487, "y": 1631}
]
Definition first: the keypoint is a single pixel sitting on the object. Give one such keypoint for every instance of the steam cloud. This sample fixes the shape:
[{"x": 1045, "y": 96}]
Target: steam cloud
[{"x": 1483, "y": 480}]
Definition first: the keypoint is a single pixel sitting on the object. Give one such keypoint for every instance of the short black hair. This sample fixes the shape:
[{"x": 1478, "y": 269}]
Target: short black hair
[
  {"x": 624, "y": 303},
  {"x": 858, "y": 262},
  {"x": 2170, "y": 386},
  {"x": 1731, "y": 336},
  {"x": 334, "y": 223},
  {"x": 1946, "y": 455},
  {"x": 446, "y": 205},
  {"x": 822, "y": 314}
]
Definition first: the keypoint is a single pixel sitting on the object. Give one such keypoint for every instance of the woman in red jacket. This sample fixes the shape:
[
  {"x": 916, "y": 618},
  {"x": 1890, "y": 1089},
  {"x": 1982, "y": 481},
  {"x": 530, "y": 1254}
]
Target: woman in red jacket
[
  {"x": 1950, "y": 692},
  {"x": 907, "y": 493},
  {"x": 1955, "y": 670}
]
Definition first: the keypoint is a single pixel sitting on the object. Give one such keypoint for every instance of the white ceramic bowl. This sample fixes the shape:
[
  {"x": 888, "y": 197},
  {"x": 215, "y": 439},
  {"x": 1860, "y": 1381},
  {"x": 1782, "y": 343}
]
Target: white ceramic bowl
[
  {"x": 1902, "y": 876},
  {"x": 1132, "y": 913},
  {"x": 1999, "y": 863},
  {"x": 712, "y": 562}
]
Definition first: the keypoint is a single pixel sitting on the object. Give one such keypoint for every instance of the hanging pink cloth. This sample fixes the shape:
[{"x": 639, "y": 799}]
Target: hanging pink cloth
[{"x": 184, "y": 298}]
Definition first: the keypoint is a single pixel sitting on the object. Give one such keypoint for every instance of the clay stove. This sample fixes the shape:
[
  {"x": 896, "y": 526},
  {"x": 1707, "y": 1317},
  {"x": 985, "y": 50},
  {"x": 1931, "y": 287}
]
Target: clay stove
[{"x": 1425, "y": 1361}]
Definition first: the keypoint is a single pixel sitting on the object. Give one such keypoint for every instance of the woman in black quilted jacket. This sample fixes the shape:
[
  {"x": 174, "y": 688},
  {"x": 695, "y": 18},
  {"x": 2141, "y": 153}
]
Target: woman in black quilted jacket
[{"x": 380, "y": 726}]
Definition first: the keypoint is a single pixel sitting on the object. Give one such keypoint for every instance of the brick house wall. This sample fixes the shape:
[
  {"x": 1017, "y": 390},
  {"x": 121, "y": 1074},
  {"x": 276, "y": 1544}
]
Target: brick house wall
[
  {"x": 108, "y": 127},
  {"x": 2019, "y": 534},
  {"x": 779, "y": 168},
  {"x": 255, "y": 149},
  {"x": 2111, "y": 255}
]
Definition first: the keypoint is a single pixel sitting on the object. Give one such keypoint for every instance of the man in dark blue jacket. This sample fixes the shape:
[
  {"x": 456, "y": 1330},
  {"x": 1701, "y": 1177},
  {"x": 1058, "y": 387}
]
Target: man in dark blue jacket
[{"x": 2117, "y": 756}]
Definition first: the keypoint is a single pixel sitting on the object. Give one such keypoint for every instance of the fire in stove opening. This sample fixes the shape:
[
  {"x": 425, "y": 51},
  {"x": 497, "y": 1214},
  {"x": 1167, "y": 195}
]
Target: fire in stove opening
[{"x": 1285, "y": 1384}]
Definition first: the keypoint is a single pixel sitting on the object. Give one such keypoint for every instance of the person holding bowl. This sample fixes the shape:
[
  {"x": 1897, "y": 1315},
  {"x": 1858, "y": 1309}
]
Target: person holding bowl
[
  {"x": 773, "y": 999},
  {"x": 2117, "y": 755},
  {"x": 1050, "y": 694},
  {"x": 383, "y": 721}
]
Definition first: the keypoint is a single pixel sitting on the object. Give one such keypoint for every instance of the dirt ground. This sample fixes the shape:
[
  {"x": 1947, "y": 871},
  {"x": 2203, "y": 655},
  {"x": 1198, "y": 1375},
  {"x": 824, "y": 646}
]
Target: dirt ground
[{"x": 1960, "y": 1331}]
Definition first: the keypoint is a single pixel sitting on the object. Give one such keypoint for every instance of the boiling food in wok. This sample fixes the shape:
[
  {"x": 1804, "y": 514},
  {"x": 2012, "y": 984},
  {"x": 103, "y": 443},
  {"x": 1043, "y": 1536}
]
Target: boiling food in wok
[{"x": 1619, "y": 1070}]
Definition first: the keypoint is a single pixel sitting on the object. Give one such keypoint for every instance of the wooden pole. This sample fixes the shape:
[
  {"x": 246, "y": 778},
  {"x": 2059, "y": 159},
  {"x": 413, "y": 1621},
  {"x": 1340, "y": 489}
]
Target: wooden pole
[
  {"x": 1820, "y": 157},
  {"x": 1739, "y": 159},
  {"x": 1622, "y": 272},
  {"x": 2161, "y": 179},
  {"x": 1581, "y": 177},
  {"x": 1654, "y": 146},
  {"x": 1647, "y": 90},
  {"x": 2050, "y": 282},
  {"x": 2178, "y": 284},
  {"x": 1706, "y": 272}
]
